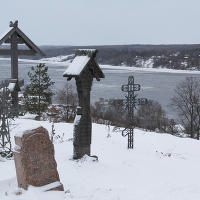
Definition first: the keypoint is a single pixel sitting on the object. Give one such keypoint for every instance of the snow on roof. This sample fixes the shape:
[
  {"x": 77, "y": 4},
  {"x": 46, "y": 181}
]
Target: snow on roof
[
  {"x": 77, "y": 65},
  {"x": 11, "y": 86},
  {"x": 77, "y": 120},
  {"x": 89, "y": 50},
  {"x": 86, "y": 52}
]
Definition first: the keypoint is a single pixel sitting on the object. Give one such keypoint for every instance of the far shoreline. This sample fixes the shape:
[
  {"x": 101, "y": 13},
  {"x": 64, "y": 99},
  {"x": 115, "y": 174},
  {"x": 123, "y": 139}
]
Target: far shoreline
[{"x": 112, "y": 67}]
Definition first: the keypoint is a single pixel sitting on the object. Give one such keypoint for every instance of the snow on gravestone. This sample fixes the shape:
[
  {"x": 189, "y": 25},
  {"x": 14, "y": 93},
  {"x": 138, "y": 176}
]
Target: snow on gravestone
[{"x": 34, "y": 160}]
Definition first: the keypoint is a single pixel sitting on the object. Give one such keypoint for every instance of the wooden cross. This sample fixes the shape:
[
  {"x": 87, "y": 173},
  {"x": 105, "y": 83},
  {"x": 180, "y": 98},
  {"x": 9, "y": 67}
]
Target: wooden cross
[{"x": 15, "y": 36}]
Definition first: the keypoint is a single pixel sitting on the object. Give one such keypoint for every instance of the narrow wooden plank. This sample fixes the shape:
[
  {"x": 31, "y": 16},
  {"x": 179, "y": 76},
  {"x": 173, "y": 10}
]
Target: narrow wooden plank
[
  {"x": 20, "y": 52},
  {"x": 14, "y": 65},
  {"x": 26, "y": 52},
  {"x": 6, "y": 35},
  {"x": 19, "y": 41},
  {"x": 5, "y": 52},
  {"x": 14, "y": 56}
]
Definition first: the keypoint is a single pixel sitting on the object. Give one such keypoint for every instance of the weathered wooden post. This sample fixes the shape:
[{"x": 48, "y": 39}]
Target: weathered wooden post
[
  {"x": 83, "y": 68},
  {"x": 15, "y": 36}
]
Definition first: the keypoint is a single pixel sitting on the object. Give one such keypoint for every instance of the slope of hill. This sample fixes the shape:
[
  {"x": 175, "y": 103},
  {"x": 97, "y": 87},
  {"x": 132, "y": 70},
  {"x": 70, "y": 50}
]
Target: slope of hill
[{"x": 160, "y": 167}]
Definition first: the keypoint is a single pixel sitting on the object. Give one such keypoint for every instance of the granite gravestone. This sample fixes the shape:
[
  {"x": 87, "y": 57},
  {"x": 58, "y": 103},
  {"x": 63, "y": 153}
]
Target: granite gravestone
[{"x": 34, "y": 160}]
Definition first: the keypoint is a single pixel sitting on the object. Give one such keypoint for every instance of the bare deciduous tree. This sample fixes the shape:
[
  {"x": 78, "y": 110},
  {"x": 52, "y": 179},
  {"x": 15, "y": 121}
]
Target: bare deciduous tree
[
  {"x": 186, "y": 100},
  {"x": 152, "y": 116},
  {"x": 69, "y": 99},
  {"x": 67, "y": 96}
]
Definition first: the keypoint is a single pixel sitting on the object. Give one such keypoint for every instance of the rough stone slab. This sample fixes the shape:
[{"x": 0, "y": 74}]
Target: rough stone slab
[{"x": 34, "y": 160}]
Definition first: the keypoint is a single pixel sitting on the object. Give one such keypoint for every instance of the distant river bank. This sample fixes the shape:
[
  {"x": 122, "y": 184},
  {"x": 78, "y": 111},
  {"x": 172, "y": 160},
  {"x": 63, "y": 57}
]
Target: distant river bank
[{"x": 156, "y": 84}]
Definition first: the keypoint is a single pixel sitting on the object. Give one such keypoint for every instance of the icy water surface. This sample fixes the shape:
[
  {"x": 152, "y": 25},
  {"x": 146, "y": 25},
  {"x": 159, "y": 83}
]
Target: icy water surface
[{"x": 155, "y": 85}]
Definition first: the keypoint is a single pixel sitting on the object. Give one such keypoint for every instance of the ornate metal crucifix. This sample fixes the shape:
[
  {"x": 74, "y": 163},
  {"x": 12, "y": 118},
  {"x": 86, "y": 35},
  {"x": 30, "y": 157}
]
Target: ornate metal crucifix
[
  {"x": 131, "y": 103},
  {"x": 6, "y": 112}
]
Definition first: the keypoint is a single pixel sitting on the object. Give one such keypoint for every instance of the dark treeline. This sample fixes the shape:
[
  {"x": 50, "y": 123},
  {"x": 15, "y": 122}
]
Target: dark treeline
[
  {"x": 168, "y": 56},
  {"x": 150, "y": 117}
]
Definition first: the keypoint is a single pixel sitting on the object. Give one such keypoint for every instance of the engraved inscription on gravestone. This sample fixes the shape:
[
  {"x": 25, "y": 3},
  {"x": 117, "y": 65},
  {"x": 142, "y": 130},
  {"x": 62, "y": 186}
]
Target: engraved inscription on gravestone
[{"x": 34, "y": 160}]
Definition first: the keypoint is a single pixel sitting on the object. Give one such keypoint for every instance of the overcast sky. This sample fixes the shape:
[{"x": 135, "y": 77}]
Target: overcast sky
[{"x": 98, "y": 22}]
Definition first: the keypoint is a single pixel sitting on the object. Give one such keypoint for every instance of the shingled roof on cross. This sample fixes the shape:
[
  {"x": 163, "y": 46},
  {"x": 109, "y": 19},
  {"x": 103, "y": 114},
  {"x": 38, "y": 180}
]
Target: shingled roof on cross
[
  {"x": 17, "y": 40},
  {"x": 21, "y": 39},
  {"x": 84, "y": 59}
]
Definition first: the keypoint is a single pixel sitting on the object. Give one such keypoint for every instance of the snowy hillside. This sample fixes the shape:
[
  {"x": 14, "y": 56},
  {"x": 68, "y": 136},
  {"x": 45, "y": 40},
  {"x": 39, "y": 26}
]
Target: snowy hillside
[
  {"x": 60, "y": 58},
  {"x": 161, "y": 167}
]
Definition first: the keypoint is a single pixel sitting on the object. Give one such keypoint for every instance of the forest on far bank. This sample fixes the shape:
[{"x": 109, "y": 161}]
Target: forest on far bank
[
  {"x": 157, "y": 56},
  {"x": 181, "y": 57}
]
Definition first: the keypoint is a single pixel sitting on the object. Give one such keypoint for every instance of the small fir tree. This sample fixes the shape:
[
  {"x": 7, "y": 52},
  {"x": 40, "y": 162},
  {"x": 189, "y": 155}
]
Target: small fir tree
[{"x": 38, "y": 92}]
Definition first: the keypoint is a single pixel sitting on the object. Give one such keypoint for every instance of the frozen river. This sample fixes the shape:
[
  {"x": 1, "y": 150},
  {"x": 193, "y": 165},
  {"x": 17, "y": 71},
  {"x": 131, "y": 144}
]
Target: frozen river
[{"x": 155, "y": 85}]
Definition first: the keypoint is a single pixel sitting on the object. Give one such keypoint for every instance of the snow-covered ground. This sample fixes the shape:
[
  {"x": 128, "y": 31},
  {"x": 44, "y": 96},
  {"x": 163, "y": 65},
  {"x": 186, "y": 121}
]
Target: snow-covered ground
[
  {"x": 160, "y": 167},
  {"x": 58, "y": 58}
]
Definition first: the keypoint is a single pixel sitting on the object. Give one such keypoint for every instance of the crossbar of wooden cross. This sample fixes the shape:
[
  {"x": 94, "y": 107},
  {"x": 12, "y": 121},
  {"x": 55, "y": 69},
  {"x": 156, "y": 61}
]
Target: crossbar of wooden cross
[{"x": 14, "y": 36}]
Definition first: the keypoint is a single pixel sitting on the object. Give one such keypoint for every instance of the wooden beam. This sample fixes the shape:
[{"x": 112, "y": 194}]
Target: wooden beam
[
  {"x": 28, "y": 42},
  {"x": 7, "y": 35},
  {"x": 20, "y": 52},
  {"x": 19, "y": 41},
  {"x": 5, "y": 52},
  {"x": 23, "y": 38},
  {"x": 26, "y": 52},
  {"x": 14, "y": 65},
  {"x": 14, "y": 56}
]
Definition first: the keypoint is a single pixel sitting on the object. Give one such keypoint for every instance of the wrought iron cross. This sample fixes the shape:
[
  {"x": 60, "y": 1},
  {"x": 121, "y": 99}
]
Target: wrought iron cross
[
  {"x": 7, "y": 111},
  {"x": 131, "y": 103},
  {"x": 5, "y": 143}
]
